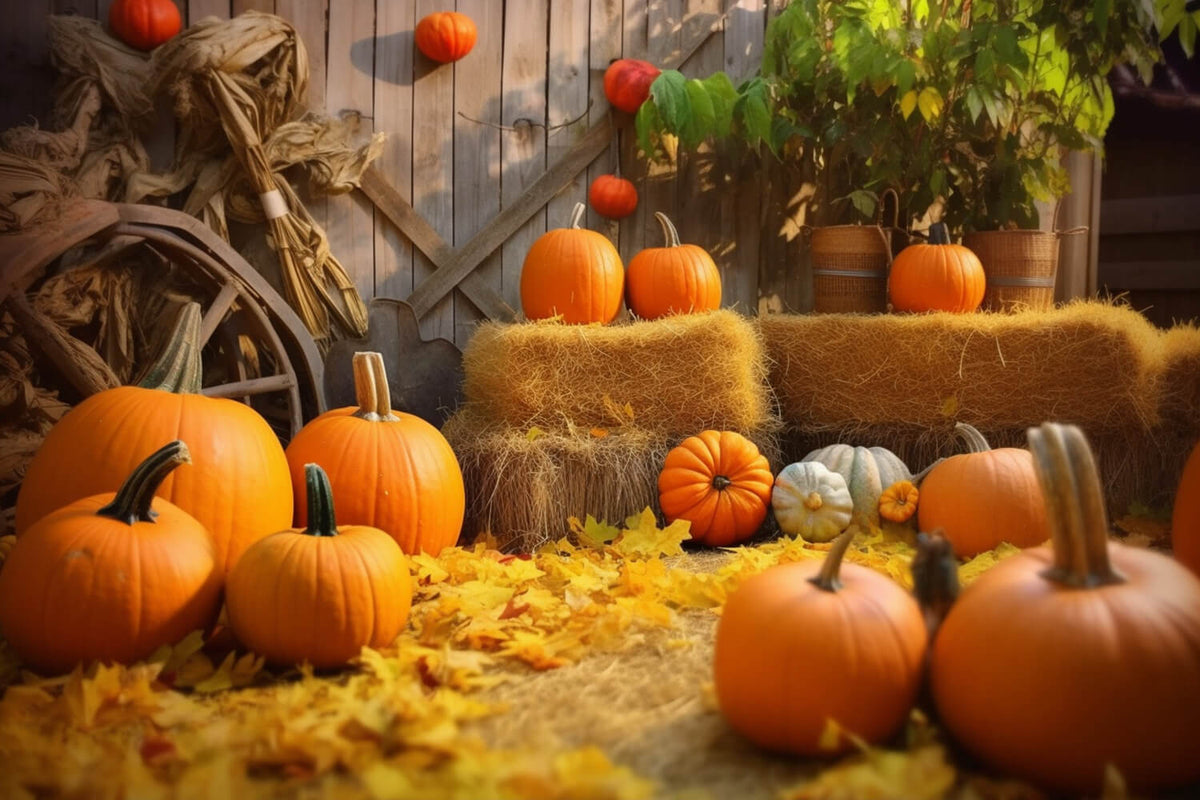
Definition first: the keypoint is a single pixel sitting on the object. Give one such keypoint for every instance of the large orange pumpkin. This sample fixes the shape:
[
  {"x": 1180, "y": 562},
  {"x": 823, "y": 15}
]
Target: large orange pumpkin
[
  {"x": 804, "y": 644},
  {"x": 572, "y": 273},
  {"x": 984, "y": 497},
  {"x": 445, "y": 36},
  {"x": 1185, "y": 518},
  {"x": 720, "y": 483},
  {"x": 111, "y": 577},
  {"x": 144, "y": 24},
  {"x": 1061, "y": 660},
  {"x": 937, "y": 276},
  {"x": 238, "y": 486},
  {"x": 389, "y": 470},
  {"x": 672, "y": 279},
  {"x": 627, "y": 83},
  {"x": 322, "y": 593}
]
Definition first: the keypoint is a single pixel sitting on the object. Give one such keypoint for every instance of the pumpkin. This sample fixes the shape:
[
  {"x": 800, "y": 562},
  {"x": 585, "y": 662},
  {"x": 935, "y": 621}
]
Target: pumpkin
[
  {"x": 612, "y": 196},
  {"x": 936, "y": 276},
  {"x": 867, "y": 472},
  {"x": 238, "y": 486},
  {"x": 321, "y": 593},
  {"x": 811, "y": 501},
  {"x": 674, "y": 278},
  {"x": 572, "y": 273},
  {"x": 806, "y": 644},
  {"x": 445, "y": 36},
  {"x": 627, "y": 83},
  {"x": 389, "y": 470},
  {"x": 899, "y": 501},
  {"x": 1185, "y": 515},
  {"x": 1061, "y": 660},
  {"x": 983, "y": 497},
  {"x": 110, "y": 577},
  {"x": 144, "y": 24},
  {"x": 720, "y": 483}
]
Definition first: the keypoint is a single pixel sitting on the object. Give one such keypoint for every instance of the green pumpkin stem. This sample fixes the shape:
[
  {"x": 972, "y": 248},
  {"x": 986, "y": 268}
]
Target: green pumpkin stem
[
  {"x": 321, "y": 519},
  {"x": 1075, "y": 509},
  {"x": 371, "y": 389},
  {"x": 177, "y": 368},
  {"x": 939, "y": 233},
  {"x": 827, "y": 579},
  {"x": 134, "y": 498},
  {"x": 971, "y": 437},
  {"x": 670, "y": 235}
]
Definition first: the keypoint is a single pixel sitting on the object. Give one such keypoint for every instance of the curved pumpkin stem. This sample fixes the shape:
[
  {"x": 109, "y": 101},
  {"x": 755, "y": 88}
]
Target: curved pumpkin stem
[
  {"x": 177, "y": 368},
  {"x": 134, "y": 498},
  {"x": 971, "y": 437},
  {"x": 670, "y": 235},
  {"x": 827, "y": 579},
  {"x": 721, "y": 483},
  {"x": 1078, "y": 520},
  {"x": 939, "y": 233},
  {"x": 577, "y": 216},
  {"x": 371, "y": 390},
  {"x": 321, "y": 519}
]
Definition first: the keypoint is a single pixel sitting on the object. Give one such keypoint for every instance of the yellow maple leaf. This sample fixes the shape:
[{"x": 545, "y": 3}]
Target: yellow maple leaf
[
  {"x": 643, "y": 537},
  {"x": 592, "y": 531},
  {"x": 920, "y": 774},
  {"x": 534, "y": 433}
]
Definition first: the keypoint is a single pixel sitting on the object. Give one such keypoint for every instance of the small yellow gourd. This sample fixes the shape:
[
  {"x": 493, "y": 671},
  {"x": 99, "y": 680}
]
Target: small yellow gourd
[{"x": 811, "y": 501}]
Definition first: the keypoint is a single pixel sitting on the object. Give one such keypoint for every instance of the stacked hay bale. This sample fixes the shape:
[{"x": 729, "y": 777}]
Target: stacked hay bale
[
  {"x": 901, "y": 381},
  {"x": 569, "y": 420},
  {"x": 1180, "y": 394}
]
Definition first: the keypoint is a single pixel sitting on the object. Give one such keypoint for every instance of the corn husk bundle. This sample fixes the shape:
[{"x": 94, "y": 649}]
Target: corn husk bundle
[{"x": 31, "y": 192}]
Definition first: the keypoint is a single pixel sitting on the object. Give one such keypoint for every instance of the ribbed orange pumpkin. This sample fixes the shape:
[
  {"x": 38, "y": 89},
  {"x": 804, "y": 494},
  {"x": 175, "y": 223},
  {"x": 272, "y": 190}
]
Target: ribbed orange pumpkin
[
  {"x": 389, "y": 470},
  {"x": 938, "y": 276},
  {"x": 612, "y": 196},
  {"x": 238, "y": 486},
  {"x": 672, "y": 279},
  {"x": 572, "y": 273},
  {"x": 144, "y": 24},
  {"x": 445, "y": 36},
  {"x": 322, "y": 593},
  {"x": 720, "y": 483},
  {"x": 110, "y": 577},
  {"x": 1061, "y": 660},
  {"x": 984, "y": 497},
  {"x": 804, "y": 644},
  {"x": 627, "y": 83},
  {"x": 1185, "y": 518}
]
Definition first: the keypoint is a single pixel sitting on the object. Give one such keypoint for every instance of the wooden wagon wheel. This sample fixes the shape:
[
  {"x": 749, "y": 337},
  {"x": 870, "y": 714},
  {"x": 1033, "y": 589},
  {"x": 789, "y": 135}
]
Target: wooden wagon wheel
[{"x": 240, "y": 298}]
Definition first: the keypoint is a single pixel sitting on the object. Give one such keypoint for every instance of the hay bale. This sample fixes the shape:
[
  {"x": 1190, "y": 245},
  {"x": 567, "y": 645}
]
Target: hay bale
[
  {"x": 1180, "y": 429},
  {"x": 678, "y": 375}
]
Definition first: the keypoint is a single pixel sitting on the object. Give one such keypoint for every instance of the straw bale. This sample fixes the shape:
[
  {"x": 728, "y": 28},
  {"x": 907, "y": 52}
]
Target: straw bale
[
  {"x": 1180, "y": 398},
  {"x": 678, "y": 375}
]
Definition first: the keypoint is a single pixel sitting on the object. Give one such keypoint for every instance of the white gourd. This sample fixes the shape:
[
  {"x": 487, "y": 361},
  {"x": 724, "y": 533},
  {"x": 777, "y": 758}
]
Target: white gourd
[
  {"x": 867, "y": 471},
  {"x": 811, "y": 501}
]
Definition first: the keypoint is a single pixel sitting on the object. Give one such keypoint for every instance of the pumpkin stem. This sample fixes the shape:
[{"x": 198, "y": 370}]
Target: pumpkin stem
[
  {"x": 177, "y": 368},
  {"x": 577, "y": 215},
  {"x": 321, "y": 519},
  {"x": 133, "y": 500},
  {"x": 827, "y": 579},
  {"x": 935, "y": 577},
  {"x": 670, "y": 235},
  {"x": 939, "y": 233},
  {"x": 1074, "y": 499},
  {"x": 813, "y": 501},
  {"x": 371, "y": 388},
  {"x": 971, "y": 437},
  {"x": 721, "y": 483}
]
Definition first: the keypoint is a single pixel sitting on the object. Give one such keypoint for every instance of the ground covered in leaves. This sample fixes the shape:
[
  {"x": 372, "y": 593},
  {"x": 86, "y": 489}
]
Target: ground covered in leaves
[{"x": 579, "y": 671}]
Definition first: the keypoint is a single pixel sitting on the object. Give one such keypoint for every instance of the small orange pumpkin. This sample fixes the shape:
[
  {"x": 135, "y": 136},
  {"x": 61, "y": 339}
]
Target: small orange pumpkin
[
  {"x": 898, "y": 502},
  {"x": 1185, "y": 516},
  {"x": 672, "y": 279},
  {"x": 1061, "y": 660},
  {"x": 627, "y": 83},
  {"x": 111, "y": 577},
  {"x": 984, "y": 497},
  {"x": 937, "y": 276},
  {"x": 144, "y": 24},
  {"x": 804, "y": 644},
  {"x": 389, "y": 470},
  {"x": 572, "y": 273},
  {"x": 322, "y": 593},
  {"x": 720, "y": 483},
  {"x": 612, "y": 196},
  {"x": 445, "y": 36}
]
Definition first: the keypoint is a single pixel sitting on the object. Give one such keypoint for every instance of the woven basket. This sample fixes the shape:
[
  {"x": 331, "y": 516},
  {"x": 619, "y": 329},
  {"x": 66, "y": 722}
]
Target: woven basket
[
  {"x": 1021, "y": 266},
  {"x": 850, "y": 265}
]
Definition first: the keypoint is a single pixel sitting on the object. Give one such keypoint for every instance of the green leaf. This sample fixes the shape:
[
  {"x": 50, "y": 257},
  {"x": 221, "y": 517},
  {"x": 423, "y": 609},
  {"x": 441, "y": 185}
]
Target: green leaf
[
  {"x": 670, "y": 96},
  {"x": 751, "y": 109},
  {"x": 649, "y": 127},
  {"x": 929, "y": 103},
  {"x": 908, "y": 103},
  {"x": 1187, "y": 35},
  {"x": 723, "y": 96},
  {"x": 864, "y": 202},
  {"x": 701, "y": 123},
  {"x": 906, "y": 74},
  {"x": 974, "y": 103},
  {"x": 1101, "y": 9}
]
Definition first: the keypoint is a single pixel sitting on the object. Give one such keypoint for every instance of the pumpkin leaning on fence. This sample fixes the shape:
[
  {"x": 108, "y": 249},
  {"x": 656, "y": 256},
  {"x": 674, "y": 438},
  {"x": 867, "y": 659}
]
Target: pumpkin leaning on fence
[
  {"x": 572, "y": 273},
  {"x": 110, "y": 577},
  {"x": 238, "y": 486},
  {"x": 789, "y": 657},
  {"x": 1061, "y": 660},
  {"x": 321, "y": 593},
  {"x": 811, "y": 501},
  {"x": 612, "y": 196},
  {"x": 144, "y": 24},
  {"x": 672, "y": 279},
  {"x": 627, "y": 83},
  {"x": 445, "y": 36},
  {"x": 720, "y": 483},
  {"x": 983, "y": 497},
  {"x": 390, "y": 470},
  {"x": 867, "y": 472},
  {"x": 938, "y": 276}
]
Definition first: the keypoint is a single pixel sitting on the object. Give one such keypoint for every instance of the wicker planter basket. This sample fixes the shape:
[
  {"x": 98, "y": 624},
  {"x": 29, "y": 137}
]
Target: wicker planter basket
[
  {"x": 1021, "y": 266},
  {"x": 850, "y": 264}
]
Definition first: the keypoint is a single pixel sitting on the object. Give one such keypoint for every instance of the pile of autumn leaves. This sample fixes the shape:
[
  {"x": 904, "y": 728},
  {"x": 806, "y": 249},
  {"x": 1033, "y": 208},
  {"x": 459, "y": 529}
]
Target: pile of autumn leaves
[{"x": 192, "y": 717}]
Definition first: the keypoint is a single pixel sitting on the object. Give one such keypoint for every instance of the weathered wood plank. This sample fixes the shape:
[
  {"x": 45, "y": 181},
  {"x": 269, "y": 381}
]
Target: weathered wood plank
[
  {"x": 199, "y": 9},
  {"x": 82, "y": 8},
  {"x": 664, "y": 19},
  {"x": 242, "y": 6},
  {"x": 635, "y": 43},
  {"x": 1173, "y": 274},
  {"x": 27, "y": 79},
  {"x": 394, "y": 23},
  {"x": 308, "y": 18},
  {"x": 567, "y": 100},
  {"x": 744, "y": 29},
  {"x": 604, "y": 47}
]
